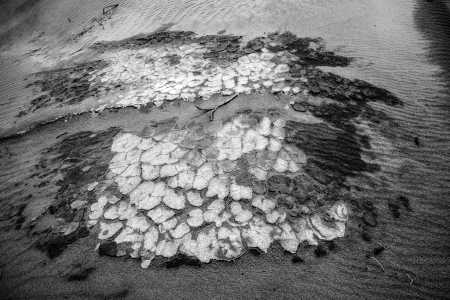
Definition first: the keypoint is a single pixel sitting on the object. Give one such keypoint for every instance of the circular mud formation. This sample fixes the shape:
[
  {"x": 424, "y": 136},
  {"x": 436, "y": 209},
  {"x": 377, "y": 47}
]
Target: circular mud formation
[
  {"x": 210, "y": 193},
  {"x": 248, "y": 145}
]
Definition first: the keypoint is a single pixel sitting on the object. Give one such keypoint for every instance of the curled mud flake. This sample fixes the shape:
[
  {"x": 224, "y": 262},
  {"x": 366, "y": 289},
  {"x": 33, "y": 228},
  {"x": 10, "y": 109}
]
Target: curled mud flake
[
  {"x": 112, "y": 199},
  {"x": 181, "y": 230},
  {"x": 211, "y": 215},
  {"x": 274, "y": 145},
  {"x": 167, "y": 147},
  {"x": 249, "y": 141},
  {"x": 167, "y": 225},
  {"x": 127, "y": 235},
  {"x": 259, "y": 173},
  {"x": 258, "y": 234},
  {"x": 195, "y": 158},
  {"x": 146, "y": 143},
  {"x": 149, "y": 155},
  {"x": 138, "y": 223},
  {"x": 159, "y": 189},
  {"x": 275, "y": 216},
  {"x": 77, "y": 204},
  {"x": 240, "y": 215},
  {"x": 126, "y": 211},
  {"x": 127, "y": 184},
  {"x": 133, "y": 170},
  {"x": 96, "y": 210},
  {"x": 194, "y": 198},
  {"x": 204, "y": 174},
  {"x": 178, "y": 153},
  {"x": 111, "y": 213},
  {"x": 278, "y": 130},
  {"x": 204, "y": 247},
  {"x": 107, "y": 230},
  {"x": 125, "y": 142},
  {"x": 195, "y": 217},
  {"x": 229, "y": 242},
  {"x": 118, "y": 163},
  {"x": 160, "y": 214},
  {"x": 185, "y": 179},
  {"x": 293, "y": 167},
  {"x": 142, "y": 192},
  {"x": 264, "y": 204},
  {"x": 218, "y": 186},
  {"x": 151, "y": 239},
  {"x": 287, "y": 238},
  {"x": 331, "y": 225},
  {"x": 169, "y": 170},
  {"x": 150, "y": 172},
  {"x": 339, "y": 212},
  {"x": 238, "y": 192},
  {"x": 282, "y": 68},
  {"x": 281, "y": 165},
  {"x": 168, "y": 247},
  {"x": 174, "y": 200}
]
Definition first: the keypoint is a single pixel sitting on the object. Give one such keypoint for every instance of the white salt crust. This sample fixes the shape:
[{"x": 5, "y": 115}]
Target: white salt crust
[
  {"x": 190, "y": 200},
  {"x": 154, "y": 77}
]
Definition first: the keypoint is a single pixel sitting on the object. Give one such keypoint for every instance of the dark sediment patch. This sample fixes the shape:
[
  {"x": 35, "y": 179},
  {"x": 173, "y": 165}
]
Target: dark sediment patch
[
  {"x": 55, "y": 243},
  {"x": 334, "y": 151},
  {"x": 180, "y": 260},
  {"x": 320, "y": 251},
  {"x": 108, "y": 248},
  {"x": 73, "y": 162},
  {"x": 121, "y": 294},
  {"x": 297, "y": 259},
  {"x": 310, "y": 51},
  {"x": 146, "y": 40},
  {"x": 65, "y": 86},
  {"x": 80, "y": 273},
  {"x": 325, "y": 84}
]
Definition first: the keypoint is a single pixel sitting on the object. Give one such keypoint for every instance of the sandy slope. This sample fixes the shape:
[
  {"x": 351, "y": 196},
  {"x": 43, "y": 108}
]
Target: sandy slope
[{"x": 37, "y": 35}]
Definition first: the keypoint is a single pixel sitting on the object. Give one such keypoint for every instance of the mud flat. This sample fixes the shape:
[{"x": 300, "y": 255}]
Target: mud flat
[{"x": 181, "y": 165}]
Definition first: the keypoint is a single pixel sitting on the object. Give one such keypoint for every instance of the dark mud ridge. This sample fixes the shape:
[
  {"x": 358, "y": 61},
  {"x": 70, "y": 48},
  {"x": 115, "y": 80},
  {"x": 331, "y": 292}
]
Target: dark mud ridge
[{"x": 287, "y": 166}]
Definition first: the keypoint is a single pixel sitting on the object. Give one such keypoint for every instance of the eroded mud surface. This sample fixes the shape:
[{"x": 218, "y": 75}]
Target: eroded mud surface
[{"x": 270, "y": 151}]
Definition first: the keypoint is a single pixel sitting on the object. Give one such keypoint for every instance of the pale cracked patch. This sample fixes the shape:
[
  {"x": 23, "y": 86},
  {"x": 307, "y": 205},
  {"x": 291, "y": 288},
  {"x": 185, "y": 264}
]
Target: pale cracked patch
[
  {"x": 151, "y": 76},
  {"x": 204, "y": 199}
]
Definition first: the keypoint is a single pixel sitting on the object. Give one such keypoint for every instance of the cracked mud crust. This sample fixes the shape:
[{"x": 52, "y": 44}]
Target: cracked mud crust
[
  {"x": 187, "y": 188},
  {"x": 166, "y": 66}
]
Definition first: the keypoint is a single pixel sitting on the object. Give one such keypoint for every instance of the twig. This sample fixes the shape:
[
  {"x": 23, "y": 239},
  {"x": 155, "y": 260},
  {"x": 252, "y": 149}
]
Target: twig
[
  {"x": 213, "y": 110},
  {"x": 8, "y": 152},
  {"x": 411, "y": 279},
  {"x": 379, "y": 263},
  {"x": 109, "y": 8}
]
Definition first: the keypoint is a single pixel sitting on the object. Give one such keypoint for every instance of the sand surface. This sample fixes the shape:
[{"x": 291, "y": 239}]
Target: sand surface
[{"x": 398, "y": 46}]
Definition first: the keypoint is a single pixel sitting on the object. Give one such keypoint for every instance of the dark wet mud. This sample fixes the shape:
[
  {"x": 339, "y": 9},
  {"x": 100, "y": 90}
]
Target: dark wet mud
[
  {"x": 52, "y": 241},
  {"x": 64, "y": 86}
]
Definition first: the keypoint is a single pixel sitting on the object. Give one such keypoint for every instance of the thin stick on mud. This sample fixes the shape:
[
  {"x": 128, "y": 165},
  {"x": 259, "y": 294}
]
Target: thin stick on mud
[
  {"x": 379, "y": 263},
  {"x": 213, "y": 110},
  {"x": 411, "y": 279}
]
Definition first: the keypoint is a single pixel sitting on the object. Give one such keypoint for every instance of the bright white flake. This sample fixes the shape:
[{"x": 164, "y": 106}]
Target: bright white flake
[{"x": 192, "y": 201}]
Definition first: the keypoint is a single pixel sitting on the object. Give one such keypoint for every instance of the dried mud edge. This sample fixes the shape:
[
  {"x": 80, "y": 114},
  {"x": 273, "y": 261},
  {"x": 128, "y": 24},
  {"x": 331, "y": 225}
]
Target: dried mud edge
[
  {"x": 334, "y": 151},
  {"x": 71, "y": 84}
]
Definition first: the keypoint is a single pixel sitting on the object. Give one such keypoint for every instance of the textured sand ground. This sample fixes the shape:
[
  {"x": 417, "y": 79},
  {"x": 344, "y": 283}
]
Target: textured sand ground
[{"x": 394, "y": 248}]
